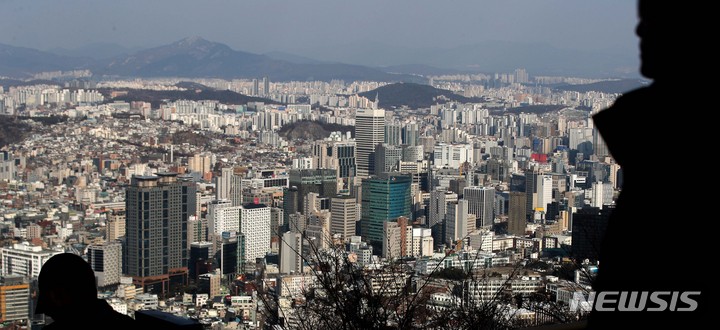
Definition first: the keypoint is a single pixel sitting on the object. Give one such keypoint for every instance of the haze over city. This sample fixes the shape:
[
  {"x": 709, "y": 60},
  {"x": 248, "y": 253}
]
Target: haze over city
[{"x": 375, "y": 33}]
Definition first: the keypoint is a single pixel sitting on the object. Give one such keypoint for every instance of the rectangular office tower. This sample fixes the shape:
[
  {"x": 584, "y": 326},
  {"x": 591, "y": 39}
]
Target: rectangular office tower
[
  {"x": 105, "y": 260},
  {"x": 384, "y": 198},
  {"x": 158, "y": 208},
  {"x": 14, "y": 298},
  {"x": 369, "y": 131},
  {"x": 481, "y": 203}
]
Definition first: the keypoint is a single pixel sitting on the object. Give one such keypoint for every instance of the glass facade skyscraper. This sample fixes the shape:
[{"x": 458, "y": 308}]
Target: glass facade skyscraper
[{"x": 384, "y": 198}]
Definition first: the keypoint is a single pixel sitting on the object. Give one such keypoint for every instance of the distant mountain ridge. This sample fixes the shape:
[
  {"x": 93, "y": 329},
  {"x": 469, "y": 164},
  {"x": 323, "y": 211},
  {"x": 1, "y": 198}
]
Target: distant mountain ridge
[
  {"x": 192, "y": 57},
  {"x": 21, "y": 62}
]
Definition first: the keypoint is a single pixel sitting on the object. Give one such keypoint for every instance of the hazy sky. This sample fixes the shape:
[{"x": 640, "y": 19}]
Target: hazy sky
[{"x": 304, "y": 25}]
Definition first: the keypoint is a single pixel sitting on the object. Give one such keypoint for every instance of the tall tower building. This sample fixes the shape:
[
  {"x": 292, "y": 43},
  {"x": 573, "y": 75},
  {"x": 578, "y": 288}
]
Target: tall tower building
[
  {"x": 384, "y": 198},
  {"x": 458, "y": 222},
  {"x": 517, "y": 215},
  {"x": 223, "y": 217},
  {"x": 266, "y": 86},
  {"x": 229, "y": 186},
  {"x": 343, "y": 215},
  {"x": 222, "y": 183},
  {"x": 306, "y": 181},
  {"x": 255, "y": 87},
  {"x": 369, "y": 131},
  {"x": 439, "y": 200},
  {"x": 158, "y": 208},
  {"x": 538, "y": 187},
  {"x": 255, "y": 226},
  {"x": 291, "y": 253},
  {"x": 200, "y": 257},
  {"x": 481, "y": 202},
  {"x": 106, "y": 261}
]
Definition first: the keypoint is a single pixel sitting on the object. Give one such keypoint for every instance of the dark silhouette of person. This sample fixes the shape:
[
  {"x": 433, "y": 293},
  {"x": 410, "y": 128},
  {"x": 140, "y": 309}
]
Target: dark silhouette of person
[
  {"x": 68, "y": 294},
  {"x": 647, "y": 246}
]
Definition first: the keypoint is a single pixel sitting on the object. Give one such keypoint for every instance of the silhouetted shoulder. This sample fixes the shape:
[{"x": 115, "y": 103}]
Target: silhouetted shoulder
[{"x": 100, "y": 316}]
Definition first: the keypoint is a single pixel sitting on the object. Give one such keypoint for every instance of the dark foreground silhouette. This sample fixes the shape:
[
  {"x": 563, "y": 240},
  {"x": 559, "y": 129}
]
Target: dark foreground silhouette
[
  {"x": 68, "y": 294},
  {"x": 650, "y": 245}
]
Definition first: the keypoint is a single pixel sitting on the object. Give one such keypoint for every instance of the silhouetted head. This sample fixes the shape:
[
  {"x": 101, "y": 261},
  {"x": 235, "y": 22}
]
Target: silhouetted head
[
  {"x": 66, "y": 284},
  {"x": 667, "y": 47}
]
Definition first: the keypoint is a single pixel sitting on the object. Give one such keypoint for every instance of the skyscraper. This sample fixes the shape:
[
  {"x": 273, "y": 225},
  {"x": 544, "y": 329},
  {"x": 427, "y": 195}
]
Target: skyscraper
[
  {"x": 229, "y": 186},
  {"x": 158, "y": 208},
  {"x": 223, "y": 217},
  {"x": 517, "y": 215},
  {"x": 199, "y": 259},
  {"x": 458, "y": 223},
  {"x": 305, "y": 181},
  {"x": 369, "y": 131},
  {"x": 481, "y": 202},
  {"x": 266, "y": 86},
  {"x": 291, "y": 253},
  {"x": 255, "y": 225},
  {"x": 436, "y": 213},
  {"x": 384, "y": 198},
  {"x": 343, "y": 212}
]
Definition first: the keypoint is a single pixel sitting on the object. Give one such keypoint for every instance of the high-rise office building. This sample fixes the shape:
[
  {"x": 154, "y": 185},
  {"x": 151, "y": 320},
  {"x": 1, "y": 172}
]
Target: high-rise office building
[
  {"x": 255, "y": 226},
  {"x": 158, "y": 208},
  {"x": 387, "y": 158},
  {"x": 481, "y": 203},
  {"x": 222, "y": 217},
  {"x": 385, "y": 197},
  {"x": 229, "y": 186},
  {"x": 439, "y": 200},
  {"x": 393, "y": 134},
  {"x": 343, "y": 153},
  {"x": 229, "y": 255},
  {"x": 452, "y": 155},
  {"x": 410, "y": 134},
  {"x": 222, "y": 183},
  {"x": 369, "y": 131},
  {"x": 200, "y": 259},
  {"x": 343, "y": 213},
  {"x": 14, "y": 298},
  {"x": 197, "y": 230},
  {"x": 602, "y": 194},
  {"x": 291, "y": 253},
  {"x": 517, "y": 215},
  {"x": 106, "y": 261},
  {"x": 458, "y": 222},
  {"x": 538, "y": 187},
  {"x": 306, "y": 181}
]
